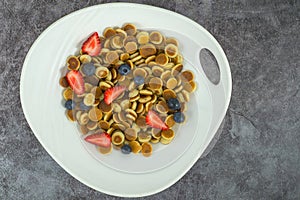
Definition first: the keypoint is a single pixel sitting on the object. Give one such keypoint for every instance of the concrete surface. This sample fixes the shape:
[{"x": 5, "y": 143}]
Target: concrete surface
[{"x": 257, "y": 154}]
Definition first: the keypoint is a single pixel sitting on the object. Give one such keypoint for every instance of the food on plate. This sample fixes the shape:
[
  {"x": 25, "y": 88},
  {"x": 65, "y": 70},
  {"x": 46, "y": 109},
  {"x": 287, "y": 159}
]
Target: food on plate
[{"x": 127, "y": 89}]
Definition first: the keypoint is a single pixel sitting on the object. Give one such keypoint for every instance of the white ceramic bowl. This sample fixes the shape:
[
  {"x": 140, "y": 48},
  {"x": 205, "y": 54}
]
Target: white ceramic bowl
[{"x": 118, "y": 174}]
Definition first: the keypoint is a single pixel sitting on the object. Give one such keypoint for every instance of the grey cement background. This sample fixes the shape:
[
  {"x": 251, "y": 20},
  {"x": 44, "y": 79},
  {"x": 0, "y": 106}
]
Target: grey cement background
[{"x": 257, "y": 155}]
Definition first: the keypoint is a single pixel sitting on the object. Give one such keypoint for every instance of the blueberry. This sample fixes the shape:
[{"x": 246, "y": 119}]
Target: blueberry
[
  {"x": 84, "y": 107},
  {"x": 139, "y": 80},
  {"x": 174, "y": 104},
  {"x": 124, "y": 69},
  {"x": 88, "y": 69},
  {"x": 179, "y": 117},
  {"x": 126, "y": 149},
  {"x": 69, "y": 105}
]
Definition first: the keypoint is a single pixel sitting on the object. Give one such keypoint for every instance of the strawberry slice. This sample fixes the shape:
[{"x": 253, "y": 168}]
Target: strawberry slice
[
  {"x": 92, "y": 45},
  {"x": 99, "y": 139},
  {"x": 76, "y": 81},
  {"x": 113, "y": 93},
  {"x": 153, "y": 120}
]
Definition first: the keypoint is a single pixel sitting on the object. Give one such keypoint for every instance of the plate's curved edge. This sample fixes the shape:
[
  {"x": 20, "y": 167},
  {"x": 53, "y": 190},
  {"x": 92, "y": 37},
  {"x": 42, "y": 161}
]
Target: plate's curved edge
[
  {"x": 191, "y": 163},
  {"x": 226, "y": 92}
]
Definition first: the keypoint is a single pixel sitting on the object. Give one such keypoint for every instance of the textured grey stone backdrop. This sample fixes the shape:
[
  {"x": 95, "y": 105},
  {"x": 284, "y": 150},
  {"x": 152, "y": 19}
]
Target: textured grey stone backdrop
[{"x": 257, "y": 155}]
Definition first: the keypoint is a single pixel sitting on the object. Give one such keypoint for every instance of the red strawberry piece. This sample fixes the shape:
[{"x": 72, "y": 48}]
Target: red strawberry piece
[
  {"x": 76, "y": 81},
  {"x": 153, "y": 120},
  {"x": 99, "y": 139},
  {"x": 92, "y": 45},
  {"x": 113, "y": 93}
]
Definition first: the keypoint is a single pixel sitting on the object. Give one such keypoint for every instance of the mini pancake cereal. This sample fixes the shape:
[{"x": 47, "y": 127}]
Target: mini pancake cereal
[{"x": 127, "y": 89}]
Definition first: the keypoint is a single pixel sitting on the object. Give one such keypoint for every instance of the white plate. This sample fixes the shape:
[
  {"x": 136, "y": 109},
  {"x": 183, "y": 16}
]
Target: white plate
[{"x": 117, "y": 174}]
